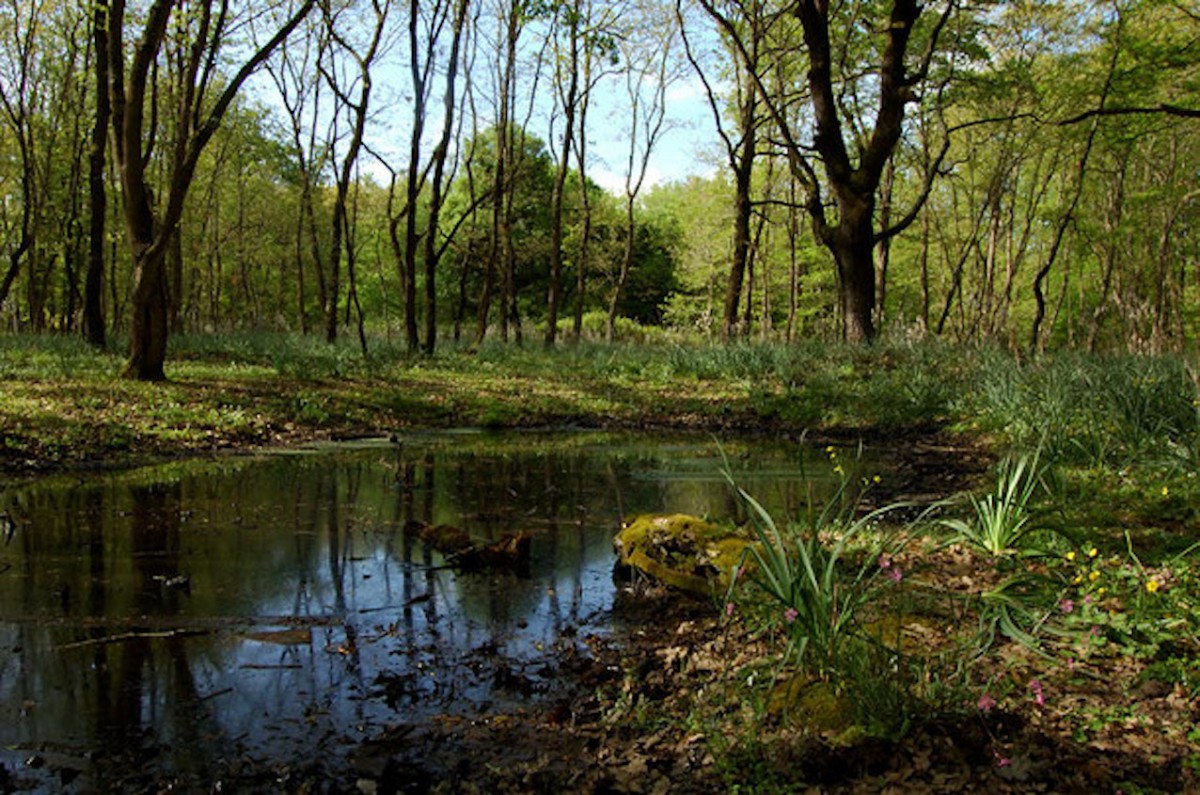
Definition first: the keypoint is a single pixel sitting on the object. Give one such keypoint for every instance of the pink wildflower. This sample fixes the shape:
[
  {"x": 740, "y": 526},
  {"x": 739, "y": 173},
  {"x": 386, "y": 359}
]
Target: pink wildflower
[
  {"x": 729, "y": 608},
  {"x": 1066, "y": 605},
  {"x": 1002, "y": 761},
  {"x": 986, "y": 702},
  {"x": 896, "y": 573},
  {"x": 885, "y": 561},
  {"x": 790, "y": 615},
  {"x": 1039, "y": 697}
]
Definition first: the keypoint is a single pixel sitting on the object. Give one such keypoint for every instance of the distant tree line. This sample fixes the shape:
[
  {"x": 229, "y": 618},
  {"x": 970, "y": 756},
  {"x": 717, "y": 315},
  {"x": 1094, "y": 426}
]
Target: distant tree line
[{"x": 999, "y": 173}]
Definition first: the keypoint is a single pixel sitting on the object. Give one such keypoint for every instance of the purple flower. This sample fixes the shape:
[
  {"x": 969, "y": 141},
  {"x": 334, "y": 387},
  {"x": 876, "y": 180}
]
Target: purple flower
[
  {"x": 885, "y": 561},
  {"x": 729, "y": 608},
  {"x": 1066, "y": 605},
  {"x": 1039, "y": 697},
  {"x": 986, "y": 702},
  {"x": 896, "y": 573},
  {"x": 790, "y": 614}
]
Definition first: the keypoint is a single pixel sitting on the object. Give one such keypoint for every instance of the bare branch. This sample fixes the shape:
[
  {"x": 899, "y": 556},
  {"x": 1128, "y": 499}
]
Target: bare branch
[{"x": 1162, "y": 108}]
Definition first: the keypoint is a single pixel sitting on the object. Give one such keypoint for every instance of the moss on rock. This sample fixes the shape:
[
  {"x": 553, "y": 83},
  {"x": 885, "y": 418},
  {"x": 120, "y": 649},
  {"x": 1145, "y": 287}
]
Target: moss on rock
[{"x": 682, "y": 551}]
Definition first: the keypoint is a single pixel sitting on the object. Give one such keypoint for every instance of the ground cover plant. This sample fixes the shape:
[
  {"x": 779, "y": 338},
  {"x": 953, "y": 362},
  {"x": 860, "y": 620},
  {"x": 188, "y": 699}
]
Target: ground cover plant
[
  {"x": 1030, "y": 624},
  {"x": 1047, "y": 638}
]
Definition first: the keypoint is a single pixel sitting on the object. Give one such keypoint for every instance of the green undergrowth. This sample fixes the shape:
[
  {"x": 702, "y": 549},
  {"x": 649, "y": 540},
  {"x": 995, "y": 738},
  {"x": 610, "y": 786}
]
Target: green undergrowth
[
  {"x": 1084, "y": 413},
  {"x": 1004, "y": 607}
]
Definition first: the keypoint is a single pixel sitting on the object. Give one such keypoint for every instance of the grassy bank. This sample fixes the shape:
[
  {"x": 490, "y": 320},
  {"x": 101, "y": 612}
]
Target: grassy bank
[{"x": 62, "y": 404}]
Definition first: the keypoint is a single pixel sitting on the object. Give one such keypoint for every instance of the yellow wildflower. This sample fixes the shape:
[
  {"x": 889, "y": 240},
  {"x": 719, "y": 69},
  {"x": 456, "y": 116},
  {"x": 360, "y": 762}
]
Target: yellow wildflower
[
  {"x": 1093, "y": 552},
  {"x": 1165, "y": 491},
  {"x": 1152, "y": 586},
  {"x": 1078, "y": 579},
  {"x": 1071, "y": 556},
  {"x": 1093, "y": 576}
]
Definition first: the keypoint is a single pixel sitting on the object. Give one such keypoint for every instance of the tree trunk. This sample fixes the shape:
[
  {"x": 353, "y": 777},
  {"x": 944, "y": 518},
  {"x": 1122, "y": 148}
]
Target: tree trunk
[
  {"x": 741, "y": 238},
  {"x": 585, "y": 233},
  {"x": 560, "y": 182},
  {"x": 432, "y": 247},
  {"x": 500, "y": 240},
  {"x": 149, "y": 322},
  {"x": 610, "y": 326},
  {"x": 743, "y": 172},
  {"x": 93, "y": 291},
  {"x": 413, "y": 183},
  {"x": 853, "y": 250}
]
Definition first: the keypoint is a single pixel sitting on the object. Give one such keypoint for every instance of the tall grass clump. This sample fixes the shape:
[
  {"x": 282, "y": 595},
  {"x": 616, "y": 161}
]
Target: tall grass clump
[
  {"x": 897, "y": 384},
  {"x": 1091, "y": 410},
  {"x": 833, "y": 584},
  {"x": 1003, "y": 522},
  {"x": 1007, "y": 527},
  {"x": 742, "y": 360}
]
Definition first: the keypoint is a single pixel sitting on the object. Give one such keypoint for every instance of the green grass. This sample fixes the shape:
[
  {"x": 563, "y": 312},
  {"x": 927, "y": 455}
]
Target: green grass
[{"x": 1089, "y": 413}]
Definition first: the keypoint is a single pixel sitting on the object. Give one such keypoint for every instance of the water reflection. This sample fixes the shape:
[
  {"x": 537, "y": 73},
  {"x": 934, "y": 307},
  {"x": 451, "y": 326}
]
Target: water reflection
[{"x": 226, "y": 619}]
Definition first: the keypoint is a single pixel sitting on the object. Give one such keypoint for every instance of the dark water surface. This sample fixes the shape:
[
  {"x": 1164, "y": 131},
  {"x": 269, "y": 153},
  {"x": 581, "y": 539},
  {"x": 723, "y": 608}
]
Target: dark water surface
[{"x": 223, "y": 619}]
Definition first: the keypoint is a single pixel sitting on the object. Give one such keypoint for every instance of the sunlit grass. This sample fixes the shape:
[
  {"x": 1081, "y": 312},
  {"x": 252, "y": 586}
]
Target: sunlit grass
[{"x": 1108, "y": 413}]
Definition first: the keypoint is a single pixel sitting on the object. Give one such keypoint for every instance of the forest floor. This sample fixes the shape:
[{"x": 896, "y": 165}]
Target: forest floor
[
  {"x": 682, "y": 697},
  {"x": 664, "y": 707}
]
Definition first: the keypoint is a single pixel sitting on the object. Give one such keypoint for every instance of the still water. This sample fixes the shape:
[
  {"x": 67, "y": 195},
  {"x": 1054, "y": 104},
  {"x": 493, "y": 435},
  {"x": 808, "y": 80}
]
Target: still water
[{"x": 230, "y": 618}]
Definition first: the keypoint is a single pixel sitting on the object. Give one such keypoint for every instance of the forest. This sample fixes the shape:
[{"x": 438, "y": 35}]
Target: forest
[
  {"x": 640, "y": 396},
  {"x": 1018, "y": 174}
]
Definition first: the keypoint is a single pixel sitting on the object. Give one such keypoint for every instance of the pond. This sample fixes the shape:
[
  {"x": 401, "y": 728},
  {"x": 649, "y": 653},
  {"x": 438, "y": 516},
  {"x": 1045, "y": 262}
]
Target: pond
[{"x": 221, "y": 620}]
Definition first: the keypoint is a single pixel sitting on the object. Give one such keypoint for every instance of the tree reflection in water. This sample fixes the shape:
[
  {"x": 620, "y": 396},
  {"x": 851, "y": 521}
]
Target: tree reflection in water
[{"x": 242, "y": 617}]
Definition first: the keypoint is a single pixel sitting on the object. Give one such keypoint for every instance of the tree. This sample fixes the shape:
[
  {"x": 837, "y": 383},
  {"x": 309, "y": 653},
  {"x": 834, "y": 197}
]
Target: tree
[
  {"x": 529, "y": 179},
  {"x": 20, "y": 87},
  {"x": 741, "y": 145},
  {"x": 650, "y": 70},
  {"x": 130, "y": 90},
  {"x": 362, "y": 55},
  {"x": 424, "y": 47},
  {"x": 299, "y": 84},
  {"x": 93, "y": 303},
  {"x": 856, "y": 93},
  {"x": 567, "y": 21},
  {"x": 597, "y": 54}
]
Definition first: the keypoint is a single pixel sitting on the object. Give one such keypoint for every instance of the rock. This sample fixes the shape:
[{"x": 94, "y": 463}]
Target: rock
[
  {"x": 681, "y": 551},
  {"x": 816, "y": 705}
]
